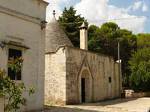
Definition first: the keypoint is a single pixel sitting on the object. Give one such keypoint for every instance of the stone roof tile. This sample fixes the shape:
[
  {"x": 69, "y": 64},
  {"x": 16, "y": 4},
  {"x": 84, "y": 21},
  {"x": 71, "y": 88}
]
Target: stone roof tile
[{"x": 55, "y": 37}]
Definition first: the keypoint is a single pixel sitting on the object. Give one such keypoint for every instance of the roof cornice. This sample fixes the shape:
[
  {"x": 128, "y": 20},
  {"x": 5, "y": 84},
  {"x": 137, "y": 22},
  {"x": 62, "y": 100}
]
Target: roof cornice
[
  {"x": 20, "y": 15},
  {"x": 43, "y": 1}
]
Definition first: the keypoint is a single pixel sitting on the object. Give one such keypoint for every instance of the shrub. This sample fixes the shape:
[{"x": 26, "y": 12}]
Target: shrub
[
  {"x": 140, "y": 68},
  {"x": 11, "y": 90}
]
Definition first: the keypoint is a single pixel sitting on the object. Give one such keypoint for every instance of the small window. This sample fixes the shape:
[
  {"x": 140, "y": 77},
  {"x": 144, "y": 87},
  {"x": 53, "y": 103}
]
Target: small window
[
  {"x": 109, "y": 79},
  {"x": 13, "y": 54}
]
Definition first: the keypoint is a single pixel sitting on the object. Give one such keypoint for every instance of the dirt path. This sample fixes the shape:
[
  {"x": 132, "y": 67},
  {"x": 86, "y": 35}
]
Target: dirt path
[{"x": 119, "y": 105}]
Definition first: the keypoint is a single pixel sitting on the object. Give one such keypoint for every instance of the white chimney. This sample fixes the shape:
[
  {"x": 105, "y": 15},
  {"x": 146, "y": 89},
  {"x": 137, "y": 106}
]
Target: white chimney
[{"x": 83, "y": 37}]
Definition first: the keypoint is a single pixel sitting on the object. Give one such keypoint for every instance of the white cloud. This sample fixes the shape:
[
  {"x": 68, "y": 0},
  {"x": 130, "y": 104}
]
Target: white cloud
[
  {"x": 144, "y": 8},
  {"x": 93, "y": 11},
  {"x": 137, "y": 5},
  {"x": 56, "y": 5},
  {"x": 96, "y": 11},
  {"x": 131, "y": 22}
]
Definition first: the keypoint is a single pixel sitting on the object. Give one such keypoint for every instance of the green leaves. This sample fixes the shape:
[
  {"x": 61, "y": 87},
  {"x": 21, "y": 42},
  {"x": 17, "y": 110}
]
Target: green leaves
[
  {"x": 143, "y": 40},
  {"x": 140, "y": 68},
  {"x": 15, "y": 64},
  {"x": 12, "y": 93},
  {"x": 104, "y": 40},
  {"x": 11, "y": 90},
  {"x": 71, "y": 22}
]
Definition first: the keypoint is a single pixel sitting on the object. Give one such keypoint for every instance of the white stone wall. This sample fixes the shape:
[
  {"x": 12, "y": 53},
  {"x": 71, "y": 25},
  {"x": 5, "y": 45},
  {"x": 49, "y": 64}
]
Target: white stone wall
[
  {"x": 55, "y": 77},
  {"x": 63, "y": 75},
  {"x": 26, "y": 30},
  {"x": 101, "y": 67},
  {"x": 1, "y": 104},
  {"x": 33, "y": 8}
]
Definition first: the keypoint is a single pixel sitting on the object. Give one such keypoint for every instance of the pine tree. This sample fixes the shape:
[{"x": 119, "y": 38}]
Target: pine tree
[{"x": 71, "y": 22}]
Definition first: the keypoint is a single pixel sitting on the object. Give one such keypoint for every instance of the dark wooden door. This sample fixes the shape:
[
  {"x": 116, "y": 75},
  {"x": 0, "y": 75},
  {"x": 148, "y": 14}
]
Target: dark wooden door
[{"x": 83, "y": 89}]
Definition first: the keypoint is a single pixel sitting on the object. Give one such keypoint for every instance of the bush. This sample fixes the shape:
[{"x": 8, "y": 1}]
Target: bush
[
  {"x": 11, "y": 90},
  {"x": 140, "y": 68}
]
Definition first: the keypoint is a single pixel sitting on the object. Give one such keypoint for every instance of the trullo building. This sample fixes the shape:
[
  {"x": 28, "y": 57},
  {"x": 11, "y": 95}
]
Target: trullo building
[
  {"x": 22, "y": 34},
  {"x": 73, "y": 75}
]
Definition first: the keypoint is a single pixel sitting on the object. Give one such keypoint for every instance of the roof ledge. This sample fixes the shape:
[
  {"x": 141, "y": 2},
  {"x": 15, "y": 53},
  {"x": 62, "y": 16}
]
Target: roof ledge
[{"x": 43, "y": 1}]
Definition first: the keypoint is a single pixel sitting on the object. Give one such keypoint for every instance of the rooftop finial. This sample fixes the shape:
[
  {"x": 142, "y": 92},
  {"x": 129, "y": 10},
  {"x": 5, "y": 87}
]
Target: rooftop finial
[
  {"x": 83, "y": 26},
  {"x": 54, "y": 13}
]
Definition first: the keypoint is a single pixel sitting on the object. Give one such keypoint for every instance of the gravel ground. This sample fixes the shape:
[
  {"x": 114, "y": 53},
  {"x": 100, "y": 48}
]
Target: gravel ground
[{"x": 118, "y": 105}]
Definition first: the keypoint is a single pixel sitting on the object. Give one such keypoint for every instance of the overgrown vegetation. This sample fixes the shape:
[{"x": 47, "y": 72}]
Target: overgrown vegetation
[
  {"x": 140, "y": 64},
  {"x": 11, "y": 90},
  {"x": 140, "y": 70}
]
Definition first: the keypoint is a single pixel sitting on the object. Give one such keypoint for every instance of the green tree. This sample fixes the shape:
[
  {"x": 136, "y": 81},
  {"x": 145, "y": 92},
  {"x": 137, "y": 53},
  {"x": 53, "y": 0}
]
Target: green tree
[
  {"x": 104, "y": 40},
  {"x": 93, "y": 41},
  {"x": 140, "y": 70},
  {"x": 140, "y": 64},
  {"x": 71, "y": 22},
  {"x": 143, "y": 40}
]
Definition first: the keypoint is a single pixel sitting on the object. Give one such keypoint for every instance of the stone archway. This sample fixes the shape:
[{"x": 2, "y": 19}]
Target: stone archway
[{"x": 85, "y": 86}]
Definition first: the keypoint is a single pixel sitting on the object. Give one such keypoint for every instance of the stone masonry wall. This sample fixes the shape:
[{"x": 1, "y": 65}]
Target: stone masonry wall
[
  {"x": 101, "y": 67},
  {"x": 64, "y": 71},
  {"x": 55, "y": 78}
]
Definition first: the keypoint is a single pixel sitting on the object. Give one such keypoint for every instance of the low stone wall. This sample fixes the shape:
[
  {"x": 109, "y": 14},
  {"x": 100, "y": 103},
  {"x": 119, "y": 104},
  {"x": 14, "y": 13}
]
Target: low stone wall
[
  {"x": 141, "y": 94},
  {"x": 1, "y": 104},
  {"x": 129, "y": 93},
  {"x": 132, "y": 94}
]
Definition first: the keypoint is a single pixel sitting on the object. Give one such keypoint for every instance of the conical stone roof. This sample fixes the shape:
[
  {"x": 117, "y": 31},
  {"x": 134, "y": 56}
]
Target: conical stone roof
[{"x": 55, "y": 37}]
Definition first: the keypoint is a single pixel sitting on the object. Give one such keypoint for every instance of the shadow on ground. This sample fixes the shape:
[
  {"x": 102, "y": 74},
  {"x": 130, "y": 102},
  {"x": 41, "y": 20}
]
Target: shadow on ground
[
  {"x": 110, "y": 102},
  {"x": 66, "y": 109},
  {"x": 80, "y": 108},
  {"x": 117, "y": 105}
]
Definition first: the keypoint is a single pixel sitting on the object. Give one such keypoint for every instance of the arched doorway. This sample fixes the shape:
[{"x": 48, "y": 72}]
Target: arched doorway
[{"x": 85, "y": 86}]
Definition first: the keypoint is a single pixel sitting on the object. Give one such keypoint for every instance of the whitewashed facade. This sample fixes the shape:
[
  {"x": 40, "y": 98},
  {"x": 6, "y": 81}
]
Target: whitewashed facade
[{"x": 22, "y": 29}]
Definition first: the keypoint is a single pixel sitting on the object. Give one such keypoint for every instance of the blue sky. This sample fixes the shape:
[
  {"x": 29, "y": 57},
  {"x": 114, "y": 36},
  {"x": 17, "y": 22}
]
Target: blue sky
[
  {"x": 126, "y": 3},
  {"x": 136, "y": 12}
]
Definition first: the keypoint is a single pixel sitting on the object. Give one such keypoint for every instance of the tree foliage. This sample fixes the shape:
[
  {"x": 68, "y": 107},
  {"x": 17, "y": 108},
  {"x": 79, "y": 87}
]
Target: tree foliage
[
  {"x": 140, "y": 64},
  {"x": 104, "y": 40},
  {"x": 140, "y": 70},
  {"x": 143, "y": 40},
  {"x": 71, "y": 22},
  {"x": 11, "y": 90}
]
